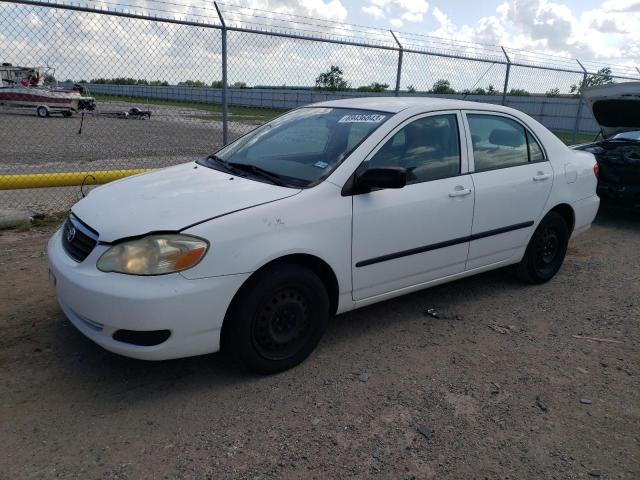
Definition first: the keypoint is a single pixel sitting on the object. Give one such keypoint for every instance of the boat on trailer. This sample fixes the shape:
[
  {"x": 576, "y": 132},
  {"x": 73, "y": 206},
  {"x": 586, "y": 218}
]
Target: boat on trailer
[{"x": 23, "y": 87}]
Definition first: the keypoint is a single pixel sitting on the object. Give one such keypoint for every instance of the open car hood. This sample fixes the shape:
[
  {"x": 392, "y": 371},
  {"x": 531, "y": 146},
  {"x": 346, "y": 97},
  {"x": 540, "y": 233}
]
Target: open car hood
[{"x": 616, "y": 107}]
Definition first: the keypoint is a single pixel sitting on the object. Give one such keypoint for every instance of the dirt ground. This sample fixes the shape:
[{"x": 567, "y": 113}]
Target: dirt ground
[{"x": 497, "y": 387}]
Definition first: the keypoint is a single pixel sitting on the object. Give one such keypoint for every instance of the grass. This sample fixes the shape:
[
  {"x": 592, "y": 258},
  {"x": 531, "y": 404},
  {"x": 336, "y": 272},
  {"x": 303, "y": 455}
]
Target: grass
[
  {"x": 245, "y": 114},
  {"x": 40, "y": 222},
  {"x": 567, "y": 138},
  {"x": 261, "y": 115}
]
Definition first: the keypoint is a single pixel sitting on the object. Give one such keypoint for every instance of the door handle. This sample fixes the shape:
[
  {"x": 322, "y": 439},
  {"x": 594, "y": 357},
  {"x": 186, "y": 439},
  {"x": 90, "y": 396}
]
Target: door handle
[
  {"x": 541, "y": 177},
  {"x": 460, "y": 191}
]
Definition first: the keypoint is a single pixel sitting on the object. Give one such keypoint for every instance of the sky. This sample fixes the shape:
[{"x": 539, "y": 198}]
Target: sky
[
  {"x": 594, "y": 30},
  {"x": 87, "y": 46}
]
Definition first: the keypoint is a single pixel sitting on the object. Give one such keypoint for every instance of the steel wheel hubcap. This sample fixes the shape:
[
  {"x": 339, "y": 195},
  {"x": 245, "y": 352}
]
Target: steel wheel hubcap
[
  {"x": 282, "y": 325},
  {"x": 548, "y": 247}
]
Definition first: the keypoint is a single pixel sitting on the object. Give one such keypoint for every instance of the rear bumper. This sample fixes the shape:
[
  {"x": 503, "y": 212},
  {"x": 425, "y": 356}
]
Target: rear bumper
[
  {"x": 629, "y": 194},
  {"x": 585, "y": 212},
  {"x": 99, "y": 304}
]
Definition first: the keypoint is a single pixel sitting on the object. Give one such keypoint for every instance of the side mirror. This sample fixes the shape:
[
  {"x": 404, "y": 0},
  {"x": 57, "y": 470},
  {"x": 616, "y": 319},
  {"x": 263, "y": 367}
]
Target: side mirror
[{"x": 387, "y": 177}]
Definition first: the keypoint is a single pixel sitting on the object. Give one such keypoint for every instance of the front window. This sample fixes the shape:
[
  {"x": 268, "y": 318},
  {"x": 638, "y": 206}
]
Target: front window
[
  {"x": 428, "y": 148},
  {"x": 632, "y": 136},
  {"x": 301, "y": 147}
]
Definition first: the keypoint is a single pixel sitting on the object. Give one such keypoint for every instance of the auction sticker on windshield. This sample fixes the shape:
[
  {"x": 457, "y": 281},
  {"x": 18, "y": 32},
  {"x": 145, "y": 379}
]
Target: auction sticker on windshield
[{"x": 362, "y": 118}]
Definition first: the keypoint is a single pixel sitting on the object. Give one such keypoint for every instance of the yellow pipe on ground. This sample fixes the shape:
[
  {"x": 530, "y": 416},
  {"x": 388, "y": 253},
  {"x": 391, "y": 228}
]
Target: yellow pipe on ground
[{"x": 64, "y": 179}]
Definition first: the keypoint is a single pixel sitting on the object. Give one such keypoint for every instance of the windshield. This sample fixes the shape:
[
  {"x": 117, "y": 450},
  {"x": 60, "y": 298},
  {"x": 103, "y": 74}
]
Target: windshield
[
  {"x": 635, "y": 135},
  {"x": 301, "y": 147}
]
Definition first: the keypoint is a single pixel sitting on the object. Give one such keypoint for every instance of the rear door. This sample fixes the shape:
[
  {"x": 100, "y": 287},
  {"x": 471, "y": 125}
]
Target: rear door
[
  {"x": 512, "y": 179},
  {"x": 408, "y": 236}
]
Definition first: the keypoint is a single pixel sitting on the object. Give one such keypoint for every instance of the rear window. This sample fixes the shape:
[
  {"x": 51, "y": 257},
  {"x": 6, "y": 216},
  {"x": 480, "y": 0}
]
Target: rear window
[{"x": 500, "y": 142}]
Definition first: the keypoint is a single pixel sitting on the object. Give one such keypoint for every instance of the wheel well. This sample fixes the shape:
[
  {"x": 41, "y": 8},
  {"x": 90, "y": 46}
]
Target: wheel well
[
  {"x": 566, "y": 212},
  {"x": 315, "y": 264}
]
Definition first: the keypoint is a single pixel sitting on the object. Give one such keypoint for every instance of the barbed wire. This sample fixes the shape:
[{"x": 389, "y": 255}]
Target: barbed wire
[{"x": 245, "y": 17}]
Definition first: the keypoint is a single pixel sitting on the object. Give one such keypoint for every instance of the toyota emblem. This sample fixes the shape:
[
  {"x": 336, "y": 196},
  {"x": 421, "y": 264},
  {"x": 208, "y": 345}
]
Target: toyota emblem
[{"x": 71, "y": 233}]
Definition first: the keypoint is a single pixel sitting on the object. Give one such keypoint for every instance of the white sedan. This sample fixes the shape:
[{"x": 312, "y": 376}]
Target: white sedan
[{"x": 325, "y": 209}]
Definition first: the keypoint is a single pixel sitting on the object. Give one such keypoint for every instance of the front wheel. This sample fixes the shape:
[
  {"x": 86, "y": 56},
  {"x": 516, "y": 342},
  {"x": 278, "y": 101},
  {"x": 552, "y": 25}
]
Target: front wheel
[
  {"x": 277, "y": 319},
  {"x": 546, "y": 250}
]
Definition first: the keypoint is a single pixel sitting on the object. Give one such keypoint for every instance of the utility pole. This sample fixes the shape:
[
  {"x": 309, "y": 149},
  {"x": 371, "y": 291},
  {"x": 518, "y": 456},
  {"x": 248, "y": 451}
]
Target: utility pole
[
  {"x": 400, "y": 55},
  {"x": 225, "y": 101},
  {"x": 506, "y": 76},
  {"x": 576, "y": 125}
]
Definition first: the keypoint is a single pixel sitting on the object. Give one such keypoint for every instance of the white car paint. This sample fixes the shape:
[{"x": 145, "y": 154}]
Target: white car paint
[{"x": 250, "y": 224}]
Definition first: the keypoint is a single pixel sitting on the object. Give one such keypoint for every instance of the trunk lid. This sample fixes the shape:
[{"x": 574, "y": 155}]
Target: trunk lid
[{"x": 616, "y": 107}]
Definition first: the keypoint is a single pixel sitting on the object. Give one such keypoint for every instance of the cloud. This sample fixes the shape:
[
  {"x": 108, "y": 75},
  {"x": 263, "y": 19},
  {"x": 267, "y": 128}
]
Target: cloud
[
  {"x": 608, "y": 33},
  {"x": 624, "y": 6},
  {"x": 374, "y": 11},
  {"x": 412, "y": 17},
  {"x": 401, "y": 10}
]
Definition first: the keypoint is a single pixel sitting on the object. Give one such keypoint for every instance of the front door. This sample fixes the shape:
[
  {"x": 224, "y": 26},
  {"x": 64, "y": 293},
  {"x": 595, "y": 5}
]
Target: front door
[{"x": 409, "y": 236}]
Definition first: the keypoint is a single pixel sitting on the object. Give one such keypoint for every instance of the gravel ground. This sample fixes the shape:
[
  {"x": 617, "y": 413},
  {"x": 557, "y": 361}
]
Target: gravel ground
[
  {"x": 496, "y": 387},
  {"x": 171, "y": 133}
]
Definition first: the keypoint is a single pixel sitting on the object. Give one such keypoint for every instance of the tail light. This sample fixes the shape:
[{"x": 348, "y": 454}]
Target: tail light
[{"x": 596, "y": 170}]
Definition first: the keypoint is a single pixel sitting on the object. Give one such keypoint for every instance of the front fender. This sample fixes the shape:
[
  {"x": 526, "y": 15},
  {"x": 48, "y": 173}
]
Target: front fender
[{"x": 315, "y": 222}]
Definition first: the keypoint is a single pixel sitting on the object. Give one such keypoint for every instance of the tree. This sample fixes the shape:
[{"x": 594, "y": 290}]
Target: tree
[
  {"x": 239, "y": 85},
  {"x": 491, "y": 90},
  {"x": 554, "y": 92},
  {"x": 411, "y": 89},
  {"x": 332, "y": 80},
  {"x": 49, "y": 79},
  {"x": 193, "y": 83},
  {"x": 601, "y": 77},
  {"x": 442, "y": 86},
  {"x": 374, "y": 87},
  {"x": 519, "y": 92}
]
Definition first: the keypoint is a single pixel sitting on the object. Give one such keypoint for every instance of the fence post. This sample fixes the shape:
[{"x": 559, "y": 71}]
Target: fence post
[
  {"x": 400, "y": 55},
  {"x": 580, "y": 100},
  {"x": 225, "y": 100},
  {"x": 506, "y": 77}
]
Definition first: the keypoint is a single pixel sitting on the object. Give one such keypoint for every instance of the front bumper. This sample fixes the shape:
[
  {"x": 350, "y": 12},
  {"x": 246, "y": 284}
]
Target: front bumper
[{"x": 99, "y": 304}]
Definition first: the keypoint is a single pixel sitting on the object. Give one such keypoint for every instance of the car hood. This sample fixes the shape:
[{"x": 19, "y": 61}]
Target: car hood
[
  {"x": 170, "y": 199},
  {"x": 616, "y": 107}
]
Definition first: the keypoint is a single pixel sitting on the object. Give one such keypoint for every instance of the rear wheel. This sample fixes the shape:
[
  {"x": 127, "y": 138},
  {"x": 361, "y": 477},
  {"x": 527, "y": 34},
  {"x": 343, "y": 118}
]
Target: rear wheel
[
  {"x": 546, "y": 250},
  {"x": 42, "y": 112},
  {"x": 277, "y": 319}
]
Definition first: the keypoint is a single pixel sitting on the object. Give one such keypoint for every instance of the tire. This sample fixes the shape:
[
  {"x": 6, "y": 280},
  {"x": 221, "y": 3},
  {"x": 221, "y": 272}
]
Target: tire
[
  {"x": 277, "y": 319},
  {"x": 546, "y": 250},
  {"x": 42, "y": 112}
]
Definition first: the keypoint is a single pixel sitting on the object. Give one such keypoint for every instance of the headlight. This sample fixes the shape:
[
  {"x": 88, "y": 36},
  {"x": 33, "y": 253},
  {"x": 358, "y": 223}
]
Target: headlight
[{"x": 154, "y": 255}]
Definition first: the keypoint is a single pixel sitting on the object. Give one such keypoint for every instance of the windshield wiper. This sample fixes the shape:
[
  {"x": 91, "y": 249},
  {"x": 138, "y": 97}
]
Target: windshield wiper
[
  {"x": 225, "y": 164},
  {"x": 260, "y": 172}
]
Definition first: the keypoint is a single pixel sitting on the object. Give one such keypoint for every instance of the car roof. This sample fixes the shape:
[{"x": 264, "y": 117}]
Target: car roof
[{"x": 397, "y": 104}]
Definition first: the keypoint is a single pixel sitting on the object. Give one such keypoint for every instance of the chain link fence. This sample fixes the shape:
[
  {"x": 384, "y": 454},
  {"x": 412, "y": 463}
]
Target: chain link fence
[{"x": 170, "y": 83}]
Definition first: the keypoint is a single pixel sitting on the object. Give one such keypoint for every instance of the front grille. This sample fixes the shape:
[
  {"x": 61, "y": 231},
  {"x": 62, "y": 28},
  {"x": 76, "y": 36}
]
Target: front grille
[{"x": 78, "y": 240}]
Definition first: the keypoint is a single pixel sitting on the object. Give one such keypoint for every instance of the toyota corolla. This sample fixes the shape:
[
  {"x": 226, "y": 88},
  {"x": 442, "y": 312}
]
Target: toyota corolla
[{"x": 325, "y": 209}]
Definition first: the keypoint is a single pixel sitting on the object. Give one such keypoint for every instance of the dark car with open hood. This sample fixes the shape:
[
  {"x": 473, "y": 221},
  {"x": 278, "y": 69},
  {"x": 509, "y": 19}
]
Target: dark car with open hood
[{"x": 616, "y": 108}]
